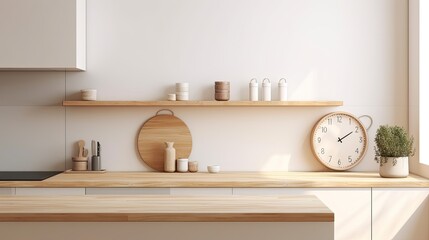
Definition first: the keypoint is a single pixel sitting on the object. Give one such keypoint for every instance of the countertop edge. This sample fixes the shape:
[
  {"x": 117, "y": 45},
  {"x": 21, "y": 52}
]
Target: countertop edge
[{"x": 223, "y": 180}]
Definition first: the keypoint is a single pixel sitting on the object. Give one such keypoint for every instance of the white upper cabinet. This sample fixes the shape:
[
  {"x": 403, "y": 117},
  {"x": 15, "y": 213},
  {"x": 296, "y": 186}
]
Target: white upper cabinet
[{"x": 43, "y": 35}]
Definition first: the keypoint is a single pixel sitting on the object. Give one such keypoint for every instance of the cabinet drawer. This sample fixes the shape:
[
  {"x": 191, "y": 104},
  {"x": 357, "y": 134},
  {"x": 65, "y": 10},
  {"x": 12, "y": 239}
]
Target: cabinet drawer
[
  {"x": 127, "y": 191},
  {"x": 50, "y": 191},
  {"x": 201, "y": 191},
  {"x": 7, "y": 191}
]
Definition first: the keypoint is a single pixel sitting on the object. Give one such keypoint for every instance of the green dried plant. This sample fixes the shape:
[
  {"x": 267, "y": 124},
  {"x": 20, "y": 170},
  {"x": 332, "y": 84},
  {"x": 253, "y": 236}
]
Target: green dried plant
[{"x": 393, "y": 141}]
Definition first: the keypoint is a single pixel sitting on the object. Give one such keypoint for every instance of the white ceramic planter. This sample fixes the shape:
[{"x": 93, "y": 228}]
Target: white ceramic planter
[{"x": 391, "y": 167}]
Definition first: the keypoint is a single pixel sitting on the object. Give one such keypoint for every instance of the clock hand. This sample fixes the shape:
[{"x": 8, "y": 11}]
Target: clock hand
[{"x": 340, "y": 139}]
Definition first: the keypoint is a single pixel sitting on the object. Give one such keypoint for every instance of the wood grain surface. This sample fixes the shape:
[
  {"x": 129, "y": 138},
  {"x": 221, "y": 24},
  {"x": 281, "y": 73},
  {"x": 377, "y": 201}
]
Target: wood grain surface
[
  {"x": 102, "y": 208},
  {"x": 158, "y": 130},
  {"x": 224, "y": 179},
  {"x": 202, "y": 103}
]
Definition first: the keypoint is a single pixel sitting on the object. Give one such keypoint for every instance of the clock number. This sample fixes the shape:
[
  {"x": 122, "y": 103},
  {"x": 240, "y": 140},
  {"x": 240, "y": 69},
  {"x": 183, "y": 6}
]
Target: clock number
[
  {"x": 357, "y": 150},
  {"x": 324, "y": 129},
  {"x": 329, "y": 121},
  {"x": 339, "y": 162},
  {"x": 322, "y": 151},
  {"x": 350, "y": 121},
  {"x": 357, "y": 128},
  {"x": 330, "y": 158},
  {"x": 339, "y": 119},
  {"x": 350, "y": 159},
  {"x": 360, "y": 140},
  {"x": 319, "y": 139}
]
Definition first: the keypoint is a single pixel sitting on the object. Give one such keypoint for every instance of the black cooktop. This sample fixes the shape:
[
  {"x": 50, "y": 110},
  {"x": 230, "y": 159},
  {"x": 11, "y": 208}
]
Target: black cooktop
[{"x": 27, "y": 176}]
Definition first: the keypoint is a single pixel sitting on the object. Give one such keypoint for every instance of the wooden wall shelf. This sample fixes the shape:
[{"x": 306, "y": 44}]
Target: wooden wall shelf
[{"x": 202, "y": 104}]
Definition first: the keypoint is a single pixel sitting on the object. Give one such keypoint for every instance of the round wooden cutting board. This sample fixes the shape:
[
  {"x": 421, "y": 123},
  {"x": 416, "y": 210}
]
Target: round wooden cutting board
[{"x": 160, "y": 129}]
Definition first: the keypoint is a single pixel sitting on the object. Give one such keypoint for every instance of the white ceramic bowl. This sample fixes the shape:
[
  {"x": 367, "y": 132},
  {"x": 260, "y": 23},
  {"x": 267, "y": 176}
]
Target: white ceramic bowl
[
  {"x": 89, "y": 94},
  {"x": 213, "y": 168},
  {"x": 182, "y": 96},
  {"x": 172, "y": 97},
  {"x": 182, "y": 87}
]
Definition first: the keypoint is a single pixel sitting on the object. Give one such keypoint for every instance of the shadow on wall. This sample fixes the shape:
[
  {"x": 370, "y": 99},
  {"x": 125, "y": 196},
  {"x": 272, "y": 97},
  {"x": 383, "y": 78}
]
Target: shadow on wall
[{"x": 401, "y": 214}]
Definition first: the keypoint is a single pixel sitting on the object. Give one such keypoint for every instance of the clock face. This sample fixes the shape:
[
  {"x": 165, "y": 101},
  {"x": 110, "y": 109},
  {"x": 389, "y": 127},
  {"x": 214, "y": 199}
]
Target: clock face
[{"x": 339, "y": 141}]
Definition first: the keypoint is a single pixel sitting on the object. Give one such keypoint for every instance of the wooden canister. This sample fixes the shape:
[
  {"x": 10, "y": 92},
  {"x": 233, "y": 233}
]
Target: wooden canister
[{"x": 222, "y": 90}]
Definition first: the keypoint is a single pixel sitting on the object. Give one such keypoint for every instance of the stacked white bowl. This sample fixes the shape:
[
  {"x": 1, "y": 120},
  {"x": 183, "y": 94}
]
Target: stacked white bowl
[
  {"x": 182, "y": 91},
  {"x": 89, "y": 94}
]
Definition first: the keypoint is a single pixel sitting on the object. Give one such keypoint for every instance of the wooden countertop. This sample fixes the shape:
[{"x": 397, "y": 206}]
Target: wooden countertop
[
  {"x": 224, "y": 179},
  {"x": 164, "y": 209}
]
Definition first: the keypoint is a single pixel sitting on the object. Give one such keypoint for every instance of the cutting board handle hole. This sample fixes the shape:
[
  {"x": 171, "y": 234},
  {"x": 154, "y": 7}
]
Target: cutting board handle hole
[{"x": 172, "y": 113}]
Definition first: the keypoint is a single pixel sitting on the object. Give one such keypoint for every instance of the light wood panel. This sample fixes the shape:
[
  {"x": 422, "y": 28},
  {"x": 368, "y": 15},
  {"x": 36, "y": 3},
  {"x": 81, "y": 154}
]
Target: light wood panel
[
  {"x": 224, "y": 179},
  {"x": 202, "y": 103},
  {"x": 164, "y": 209}
]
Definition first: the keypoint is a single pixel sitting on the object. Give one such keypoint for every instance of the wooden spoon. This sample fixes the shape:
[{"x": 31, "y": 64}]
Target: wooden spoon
[{"x": 81, "y": 144}]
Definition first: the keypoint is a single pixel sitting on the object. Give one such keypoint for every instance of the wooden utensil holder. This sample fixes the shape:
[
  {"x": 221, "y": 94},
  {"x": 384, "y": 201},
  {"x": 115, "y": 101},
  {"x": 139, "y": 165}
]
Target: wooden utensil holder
[{"x": 80, "y": 163}]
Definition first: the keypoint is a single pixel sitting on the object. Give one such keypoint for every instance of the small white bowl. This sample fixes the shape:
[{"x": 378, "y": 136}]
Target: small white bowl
[
  {"x": 89, "y": 94},
  {"x": 213, "y": 168},
  {"x": 182, "y": 87},
  {"x": 172, "y": 97},
  {"x": 182, "y": 96}
]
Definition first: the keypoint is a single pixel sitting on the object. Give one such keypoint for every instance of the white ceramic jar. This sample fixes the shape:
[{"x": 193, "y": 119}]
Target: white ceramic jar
[
  {"x": 266, "y": 89},
  {"x": 282, "y": 89},
  {"x": 182, "y": 165},
  {"x": 253, "y": 90}
]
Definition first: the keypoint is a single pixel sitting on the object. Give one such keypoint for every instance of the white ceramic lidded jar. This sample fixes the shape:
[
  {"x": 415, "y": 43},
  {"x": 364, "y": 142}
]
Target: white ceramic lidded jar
[
  {"x": 283, "y": 89},
  {"x": 169, "y": 157},
  {"x": 253, "y": 90},
  {"x": 266, "y": 90},
  {"x": 182, "y": 165}
]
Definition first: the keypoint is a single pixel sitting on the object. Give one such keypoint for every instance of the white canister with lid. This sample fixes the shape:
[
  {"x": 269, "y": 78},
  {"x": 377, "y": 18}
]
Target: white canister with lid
[
  {"x": 283, "y": 89},
  {"x": 253, "y": 90},
  {"x": 266, "y": 90},
  {"x": 182, "y": 165}
]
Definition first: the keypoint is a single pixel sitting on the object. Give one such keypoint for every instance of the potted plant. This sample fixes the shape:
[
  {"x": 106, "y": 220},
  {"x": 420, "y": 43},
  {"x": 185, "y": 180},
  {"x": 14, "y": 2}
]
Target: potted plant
[{"x": 393, "y": 147}]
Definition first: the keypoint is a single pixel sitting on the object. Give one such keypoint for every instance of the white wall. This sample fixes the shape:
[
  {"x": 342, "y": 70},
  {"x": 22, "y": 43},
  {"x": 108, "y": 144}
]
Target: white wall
[{"x": 354, "y": 51}]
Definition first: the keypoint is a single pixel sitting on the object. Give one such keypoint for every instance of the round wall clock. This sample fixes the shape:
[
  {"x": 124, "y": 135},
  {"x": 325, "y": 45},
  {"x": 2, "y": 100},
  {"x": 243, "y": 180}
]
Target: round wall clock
[{"x": 339, "y": 140}]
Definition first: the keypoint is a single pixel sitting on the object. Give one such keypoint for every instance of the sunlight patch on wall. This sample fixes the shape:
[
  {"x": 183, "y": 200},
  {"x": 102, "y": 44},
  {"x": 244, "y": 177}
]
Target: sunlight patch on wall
[
  {"x": 306, "y": 89},
  {"x": 277, "y": 163},
  {"x": 392, "y": 209}
]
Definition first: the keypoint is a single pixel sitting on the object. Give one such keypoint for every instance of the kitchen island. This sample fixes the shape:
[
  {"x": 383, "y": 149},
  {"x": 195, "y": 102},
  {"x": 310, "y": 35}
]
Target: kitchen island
[
  {"x": 358, "y": 200},
  {"x": 162, "y": 217}
]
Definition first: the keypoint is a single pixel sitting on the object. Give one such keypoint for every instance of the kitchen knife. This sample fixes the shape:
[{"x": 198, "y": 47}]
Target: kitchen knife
[
  {"x": 98, "y": 149},
  {"x": 93, "y": 148}
]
